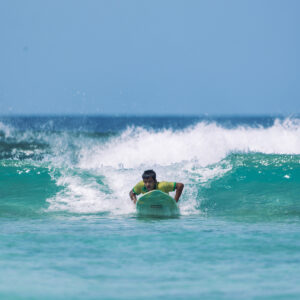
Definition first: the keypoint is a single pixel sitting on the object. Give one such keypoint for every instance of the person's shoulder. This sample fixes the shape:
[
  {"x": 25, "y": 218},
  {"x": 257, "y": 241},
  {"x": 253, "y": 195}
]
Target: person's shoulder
[
  {"x": 138, "y": 187},
  {"x": 140, "y": 183},
  {"x": 166, "y": 182},
  {"x": 167, "y": 185}
]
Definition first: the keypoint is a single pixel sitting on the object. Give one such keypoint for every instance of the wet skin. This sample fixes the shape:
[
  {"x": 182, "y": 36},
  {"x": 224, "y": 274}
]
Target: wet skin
[{"x": 149, "y": 183}]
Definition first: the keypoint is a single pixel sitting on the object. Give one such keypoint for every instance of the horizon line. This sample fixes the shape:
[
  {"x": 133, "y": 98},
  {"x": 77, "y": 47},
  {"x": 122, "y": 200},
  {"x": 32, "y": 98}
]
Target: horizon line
[{"x": 204, "y": 115}]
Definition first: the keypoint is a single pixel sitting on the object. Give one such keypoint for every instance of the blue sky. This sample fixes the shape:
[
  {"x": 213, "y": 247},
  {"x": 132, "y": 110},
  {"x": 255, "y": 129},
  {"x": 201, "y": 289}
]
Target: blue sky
[{"x": 150, "y": 57}]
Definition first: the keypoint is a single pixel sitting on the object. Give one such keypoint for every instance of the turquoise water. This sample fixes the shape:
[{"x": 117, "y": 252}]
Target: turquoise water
[{"x": 69, "y": 230}]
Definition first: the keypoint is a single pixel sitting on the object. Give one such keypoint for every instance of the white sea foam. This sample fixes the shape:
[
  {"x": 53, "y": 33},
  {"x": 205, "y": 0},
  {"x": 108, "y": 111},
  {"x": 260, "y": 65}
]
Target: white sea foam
[
  {"x": 7, "y": 130},
  {"x": 204, "y": 143},
  {"x": 190, "y": 156}
]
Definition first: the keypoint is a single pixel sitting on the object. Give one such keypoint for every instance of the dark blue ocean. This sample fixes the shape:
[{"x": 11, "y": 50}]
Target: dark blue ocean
[{"x": 68, "y": 229}]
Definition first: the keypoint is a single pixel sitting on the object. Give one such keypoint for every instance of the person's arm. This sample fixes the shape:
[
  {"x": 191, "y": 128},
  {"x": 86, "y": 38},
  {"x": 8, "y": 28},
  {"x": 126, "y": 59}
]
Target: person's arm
[
  {"x": 132, "y": 196},
  {"x": 136, "y": 191},
  {"x": 179, "y": 189}
]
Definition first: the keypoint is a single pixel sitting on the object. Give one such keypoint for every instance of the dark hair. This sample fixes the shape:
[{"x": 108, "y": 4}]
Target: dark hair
[{"x": 148, "y": 174}]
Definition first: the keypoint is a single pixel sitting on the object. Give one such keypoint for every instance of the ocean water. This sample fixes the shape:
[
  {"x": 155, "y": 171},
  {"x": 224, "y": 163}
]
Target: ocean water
[{"x": 68, "y": 229}]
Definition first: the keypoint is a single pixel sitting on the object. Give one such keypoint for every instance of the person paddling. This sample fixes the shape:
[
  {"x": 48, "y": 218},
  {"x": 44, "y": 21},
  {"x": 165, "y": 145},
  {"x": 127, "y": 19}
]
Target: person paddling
[{"x": 150, "y": 183}]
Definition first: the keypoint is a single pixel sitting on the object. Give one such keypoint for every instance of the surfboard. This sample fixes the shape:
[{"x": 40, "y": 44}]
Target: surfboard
[{"x": 157, "y": 203}]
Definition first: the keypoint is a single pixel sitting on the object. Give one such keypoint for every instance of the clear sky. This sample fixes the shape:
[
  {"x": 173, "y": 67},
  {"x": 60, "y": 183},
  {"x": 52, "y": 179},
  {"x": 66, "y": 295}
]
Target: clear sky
[{"x": 149, "y": 57}]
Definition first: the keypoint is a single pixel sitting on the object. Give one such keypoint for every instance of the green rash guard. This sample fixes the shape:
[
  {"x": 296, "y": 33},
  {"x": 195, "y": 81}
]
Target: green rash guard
[{"x": 163, "y": 186}]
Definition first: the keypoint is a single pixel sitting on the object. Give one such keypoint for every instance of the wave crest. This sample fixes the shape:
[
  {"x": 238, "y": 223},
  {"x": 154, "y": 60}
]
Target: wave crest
[{"x": 206, "y": 143}]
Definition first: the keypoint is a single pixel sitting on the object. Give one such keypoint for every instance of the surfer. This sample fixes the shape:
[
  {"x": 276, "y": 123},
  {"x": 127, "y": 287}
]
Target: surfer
[{"x": 150, "y": 183}]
